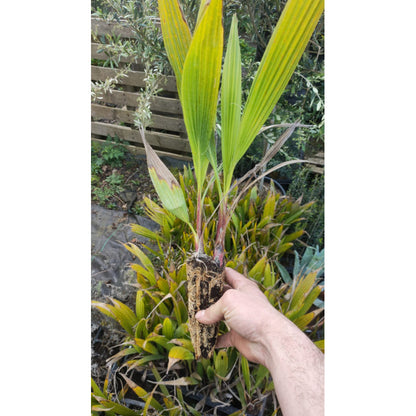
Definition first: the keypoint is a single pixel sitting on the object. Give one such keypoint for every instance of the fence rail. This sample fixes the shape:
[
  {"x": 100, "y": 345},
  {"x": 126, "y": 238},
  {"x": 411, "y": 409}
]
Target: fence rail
[
  {"x": 112, "y": 112},
  {"x": 318, "y": 158}
]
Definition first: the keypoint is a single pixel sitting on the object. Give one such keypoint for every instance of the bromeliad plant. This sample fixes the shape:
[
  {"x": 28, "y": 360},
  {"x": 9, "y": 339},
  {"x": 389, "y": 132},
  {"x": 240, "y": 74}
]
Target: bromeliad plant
[
  {"x": 196, "y": 60},
  {"x": 157, "y": 340}
]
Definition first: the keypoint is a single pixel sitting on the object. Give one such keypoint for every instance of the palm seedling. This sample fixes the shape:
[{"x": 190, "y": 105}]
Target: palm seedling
[{"x": 197, "y": 60}]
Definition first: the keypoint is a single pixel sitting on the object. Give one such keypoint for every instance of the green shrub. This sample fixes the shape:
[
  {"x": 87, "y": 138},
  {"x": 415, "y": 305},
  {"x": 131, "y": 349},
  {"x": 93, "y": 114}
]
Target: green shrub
[{"x": 311, "y": 187}]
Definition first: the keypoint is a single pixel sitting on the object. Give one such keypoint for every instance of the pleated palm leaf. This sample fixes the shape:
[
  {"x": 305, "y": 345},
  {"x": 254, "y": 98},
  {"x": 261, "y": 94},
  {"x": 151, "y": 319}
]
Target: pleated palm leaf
[{"x": 196, "y": 60}]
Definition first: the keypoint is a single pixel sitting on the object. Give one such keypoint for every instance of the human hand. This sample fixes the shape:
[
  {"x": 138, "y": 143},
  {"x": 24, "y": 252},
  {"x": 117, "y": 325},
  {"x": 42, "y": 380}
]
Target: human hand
[
  {"x": 265, "y": 336},
  {"x": 248, "y": 314}
]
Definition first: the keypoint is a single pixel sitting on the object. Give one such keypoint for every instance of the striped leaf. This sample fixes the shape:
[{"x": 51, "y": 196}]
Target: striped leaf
[
  {"x": 230, "y": 102},
  {"x": 303, "y": 321},
  {"x": 176, "y": 36},
  {"x": 145, "y": 232},
  {"x": 120, "y": 312},
  {"x": 200, "y": 85},
  {"x": 283, "y": 52}
]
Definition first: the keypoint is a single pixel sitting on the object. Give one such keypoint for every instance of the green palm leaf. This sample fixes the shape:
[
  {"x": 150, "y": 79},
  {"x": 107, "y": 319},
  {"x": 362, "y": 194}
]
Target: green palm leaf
[
  {"x": 176, "y": 35},
  {"x": 230, "y": 101},
  {"x": 285, "y": 48},
  {"x": 200, "y": 85}
]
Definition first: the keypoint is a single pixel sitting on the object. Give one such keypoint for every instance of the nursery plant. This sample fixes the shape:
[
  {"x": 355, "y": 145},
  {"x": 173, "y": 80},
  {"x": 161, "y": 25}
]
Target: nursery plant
[
  {"x": 157, "y": 353},
  {"x": 197, "y": 62}
]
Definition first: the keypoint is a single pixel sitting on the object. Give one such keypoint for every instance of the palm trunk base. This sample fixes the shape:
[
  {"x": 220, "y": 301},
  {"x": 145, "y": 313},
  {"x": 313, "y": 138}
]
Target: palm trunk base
[{"x": 205, "y": 287}]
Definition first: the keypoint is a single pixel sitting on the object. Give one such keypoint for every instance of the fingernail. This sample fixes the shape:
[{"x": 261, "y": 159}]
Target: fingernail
[{"x": 199, "y": 314}]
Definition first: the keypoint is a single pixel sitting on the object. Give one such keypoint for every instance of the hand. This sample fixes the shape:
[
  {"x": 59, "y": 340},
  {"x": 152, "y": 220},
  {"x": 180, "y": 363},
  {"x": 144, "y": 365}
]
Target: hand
[
  {"x": 248, "y": 313},
  {"x": 265, "y": 336}
]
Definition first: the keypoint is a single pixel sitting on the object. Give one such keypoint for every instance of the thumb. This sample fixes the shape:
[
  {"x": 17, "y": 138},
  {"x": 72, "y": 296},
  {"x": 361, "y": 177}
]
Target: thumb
[{"x": 212, "y": 314}]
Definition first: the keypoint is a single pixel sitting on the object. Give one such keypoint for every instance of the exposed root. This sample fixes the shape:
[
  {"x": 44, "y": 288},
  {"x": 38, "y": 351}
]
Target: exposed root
[{"x": 205, "y": 287}]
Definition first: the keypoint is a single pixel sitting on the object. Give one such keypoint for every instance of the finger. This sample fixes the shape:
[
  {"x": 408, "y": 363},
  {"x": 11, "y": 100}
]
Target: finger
[
  {"x": 212, "y": 314},
  {"x": 226, "y": 287},
  {"x": 224, "y": 341},
  {"x": 233, "y": 278},
  {"x": 237, "y": 280}
]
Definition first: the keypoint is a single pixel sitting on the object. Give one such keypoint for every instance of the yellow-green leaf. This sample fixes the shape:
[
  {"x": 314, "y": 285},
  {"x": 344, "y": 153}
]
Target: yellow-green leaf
[
  {"x": 146, "y": 345},
  {"x": 261, "y": 373},
  {"x": 283, "y": 52},
  {"x": 142, "y": 393},
  {"x": 96, "y": 390},
  {"x": 269, "y": 209},
  {"x": 320, "y": 344},
  {"x": 180, "y": 353},
  {"x": 221, "y": 363},
  {"x": 147, "y": 263},
  {"x": 113, "y": 406},
  {"x": 284, "y": 247},
  {"x": 230, "y": 103},
  {"x": 141, "y": 329},
  {"x": 140, "y": 305},
  {"x": 303, "y": 321},
  {"x": 258, "y": 269},
  {"x": 120, "y": 312},
  {"x": 293, "y": 236},
  {"x": 269, "y": 276},
  {"x": 168, "y": 329},
  {"x": 183, "y": 342},
  {"x": 163, "y": 285},
  {"x": 145, "y": 232},
  {"x": 160, "y": 340},
  {"x": 307, "y": 301},
  {"x": 144, "y": 276},
  {"x": 176, "y": 35},
  {"x": 246, "y": 373},
  {"x": 303, "y": 287},
  {"x": 200, "y": 85},
  {"x": 177, "y": 353}
]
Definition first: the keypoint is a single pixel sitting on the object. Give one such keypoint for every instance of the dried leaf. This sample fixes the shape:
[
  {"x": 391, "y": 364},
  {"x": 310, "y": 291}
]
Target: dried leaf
[{"x": 166, "y": 185}]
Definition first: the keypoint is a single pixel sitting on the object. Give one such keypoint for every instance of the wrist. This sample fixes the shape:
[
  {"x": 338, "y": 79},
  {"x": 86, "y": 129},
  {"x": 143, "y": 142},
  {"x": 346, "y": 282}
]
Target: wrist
[{"x": 279, "y": 336}]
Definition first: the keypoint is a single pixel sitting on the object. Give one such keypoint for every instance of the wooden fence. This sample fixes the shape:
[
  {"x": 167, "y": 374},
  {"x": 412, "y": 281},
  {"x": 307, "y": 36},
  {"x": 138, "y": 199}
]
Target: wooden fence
[
  {"x": 113, "y": 114},
  {"x": 319, "y": 159}
]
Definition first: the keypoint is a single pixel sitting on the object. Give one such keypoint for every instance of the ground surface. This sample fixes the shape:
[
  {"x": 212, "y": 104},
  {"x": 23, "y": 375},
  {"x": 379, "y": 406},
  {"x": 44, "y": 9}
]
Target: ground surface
[{"x": 122, "y": 187}]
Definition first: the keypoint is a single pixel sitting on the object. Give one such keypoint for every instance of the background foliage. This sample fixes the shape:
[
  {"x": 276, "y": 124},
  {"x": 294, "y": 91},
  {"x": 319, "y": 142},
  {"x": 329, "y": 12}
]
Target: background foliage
[{"x": 156, "y": 361}]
